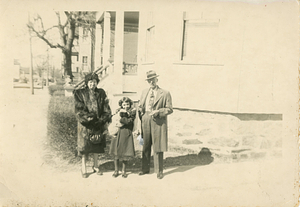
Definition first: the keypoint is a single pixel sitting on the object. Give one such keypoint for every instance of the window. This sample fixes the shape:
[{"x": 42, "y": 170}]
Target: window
[
  {"x": 85, "y": 67},
  {"x": 84, "y": 59},
  {"x": 200, "y": 39},
  {"x": 85, "y": 34}
]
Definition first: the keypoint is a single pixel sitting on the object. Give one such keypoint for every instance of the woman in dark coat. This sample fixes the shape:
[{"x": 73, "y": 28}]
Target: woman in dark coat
[
  {"x": 93, "y": 113},
  {"x": 122, "y": 146}
]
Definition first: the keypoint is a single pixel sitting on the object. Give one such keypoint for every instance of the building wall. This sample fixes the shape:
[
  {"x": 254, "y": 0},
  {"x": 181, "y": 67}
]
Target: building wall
[{"x": 255, "y": 66}]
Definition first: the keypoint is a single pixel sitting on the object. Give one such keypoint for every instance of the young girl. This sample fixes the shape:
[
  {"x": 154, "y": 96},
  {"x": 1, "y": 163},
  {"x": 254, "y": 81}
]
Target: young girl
[{"x": 122, "y": 146}]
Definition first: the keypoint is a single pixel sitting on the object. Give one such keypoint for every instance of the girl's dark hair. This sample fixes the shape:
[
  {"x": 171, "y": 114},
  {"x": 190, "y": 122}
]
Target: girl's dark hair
[
  {"x": 91, "y": 76},
  {"x": 127, "y": 100}
]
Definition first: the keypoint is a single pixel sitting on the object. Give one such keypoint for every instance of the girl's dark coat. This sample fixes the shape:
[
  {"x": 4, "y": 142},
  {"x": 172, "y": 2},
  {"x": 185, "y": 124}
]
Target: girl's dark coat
[{"x": 122, "y": 145}]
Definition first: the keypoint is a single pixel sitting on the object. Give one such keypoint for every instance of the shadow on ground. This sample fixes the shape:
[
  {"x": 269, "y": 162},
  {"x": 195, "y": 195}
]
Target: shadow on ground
[
  {"x": 63, "y": 158},
  {"x": 181, "y": 163},
  {"x": 67, "y": 160}
]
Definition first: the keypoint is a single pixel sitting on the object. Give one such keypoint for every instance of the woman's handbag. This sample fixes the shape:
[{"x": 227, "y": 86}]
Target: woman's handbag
[{"x": 96, "y": 137}]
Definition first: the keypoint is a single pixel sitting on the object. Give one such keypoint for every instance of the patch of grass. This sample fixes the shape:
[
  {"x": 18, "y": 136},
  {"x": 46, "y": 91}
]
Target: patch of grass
[{"x": 62, "y": 127}]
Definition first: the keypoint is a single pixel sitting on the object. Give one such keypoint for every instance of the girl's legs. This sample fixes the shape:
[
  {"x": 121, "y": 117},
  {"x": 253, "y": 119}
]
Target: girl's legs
[
  {"x": 116, "y": 173},
  {"x": 124, "y": 163},
  {"x": 83, "y": 166}
]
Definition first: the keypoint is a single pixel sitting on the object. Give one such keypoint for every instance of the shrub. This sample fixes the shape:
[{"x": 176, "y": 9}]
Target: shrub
[
  {"x": 54, "y": 88},
  {"x": 59, "y": 93},
  {"x": 60, "y": 82},
  {"x": 62, "y": 126}
]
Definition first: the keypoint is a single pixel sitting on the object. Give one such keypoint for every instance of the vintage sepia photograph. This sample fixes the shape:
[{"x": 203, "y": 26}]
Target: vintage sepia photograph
[{"x": 166, "y": 103}]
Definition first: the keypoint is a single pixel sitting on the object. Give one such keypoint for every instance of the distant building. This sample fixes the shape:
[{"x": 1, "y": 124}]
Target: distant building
[
  {"x": 16, "y": 69},
  {"x": 83, "y": 51}
]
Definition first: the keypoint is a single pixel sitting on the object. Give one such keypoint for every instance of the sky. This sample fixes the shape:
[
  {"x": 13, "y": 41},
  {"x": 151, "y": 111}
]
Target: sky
[{"x": 14, "y": 35}]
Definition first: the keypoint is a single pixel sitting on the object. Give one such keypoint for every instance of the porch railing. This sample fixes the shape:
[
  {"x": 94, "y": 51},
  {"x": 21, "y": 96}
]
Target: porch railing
[{"x": 129, "y": 68}]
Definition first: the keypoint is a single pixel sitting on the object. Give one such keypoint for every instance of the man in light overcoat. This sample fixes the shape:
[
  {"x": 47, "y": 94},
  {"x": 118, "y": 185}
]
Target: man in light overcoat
[{"x": 155, "y": 104}]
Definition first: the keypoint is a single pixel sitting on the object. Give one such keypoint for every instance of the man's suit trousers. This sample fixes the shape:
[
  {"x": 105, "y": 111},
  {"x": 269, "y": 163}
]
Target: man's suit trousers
[{"x": 148, "y": 140}]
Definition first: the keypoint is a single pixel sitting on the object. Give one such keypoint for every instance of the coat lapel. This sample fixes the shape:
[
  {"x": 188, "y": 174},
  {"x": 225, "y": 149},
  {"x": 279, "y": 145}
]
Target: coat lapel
[
  {"x": 86, "y": 95},
  {"x": 158, "y": 96},
  {"x": 97, "y": 94}
]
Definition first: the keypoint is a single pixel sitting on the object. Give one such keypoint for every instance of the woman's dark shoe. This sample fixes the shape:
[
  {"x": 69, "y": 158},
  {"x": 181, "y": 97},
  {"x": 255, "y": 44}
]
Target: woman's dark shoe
[
  {"x": 143, "y": 173},
  {"x": 116, "y": 174},
  {"x": 84, "y": 175}
]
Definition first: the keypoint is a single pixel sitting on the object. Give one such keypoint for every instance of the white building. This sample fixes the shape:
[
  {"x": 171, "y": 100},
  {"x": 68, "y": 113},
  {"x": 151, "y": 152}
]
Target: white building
[{"x": 214, "y": 56}]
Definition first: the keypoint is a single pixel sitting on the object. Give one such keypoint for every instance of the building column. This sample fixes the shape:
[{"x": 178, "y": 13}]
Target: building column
[
  {"x": 98, "y": 42},
  {"x": 106, "y": 38},
  {"x": 118, "y": 53},
  {"x": 141, "y": 50}
]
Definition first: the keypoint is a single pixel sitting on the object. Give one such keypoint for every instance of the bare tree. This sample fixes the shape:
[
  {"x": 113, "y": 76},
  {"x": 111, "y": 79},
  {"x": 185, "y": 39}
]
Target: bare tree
[
  {"x": 67, "y": 33},
  {"x": 41, "y": 66}
]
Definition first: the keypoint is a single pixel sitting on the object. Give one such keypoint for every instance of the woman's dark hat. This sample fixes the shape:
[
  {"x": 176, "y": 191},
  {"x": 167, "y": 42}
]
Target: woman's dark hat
[
  {"x": 151, "y": 74},
  {"x": 91, "y": 76}
]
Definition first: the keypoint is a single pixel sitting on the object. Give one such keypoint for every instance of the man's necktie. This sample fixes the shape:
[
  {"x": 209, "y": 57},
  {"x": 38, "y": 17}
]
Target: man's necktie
[{"x": 151, "y": 100}]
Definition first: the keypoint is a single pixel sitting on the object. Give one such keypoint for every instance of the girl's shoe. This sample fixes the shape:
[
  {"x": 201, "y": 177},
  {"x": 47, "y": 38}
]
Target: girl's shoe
[
  {"x": 116, "y": 174},
  {"x": 99, "y": 172},
  {"x": 124, "y": 175}
]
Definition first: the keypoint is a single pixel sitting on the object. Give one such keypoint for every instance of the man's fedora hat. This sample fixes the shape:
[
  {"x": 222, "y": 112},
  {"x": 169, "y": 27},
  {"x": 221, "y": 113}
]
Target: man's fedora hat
[{"x": 151, "y": 74}]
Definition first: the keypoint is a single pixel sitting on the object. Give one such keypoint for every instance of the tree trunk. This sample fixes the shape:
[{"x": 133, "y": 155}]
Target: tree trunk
[
  {"x": 67, "y": 51},
  {"x": 93, "y": 32},
  {"x": 68, "y": 64}
]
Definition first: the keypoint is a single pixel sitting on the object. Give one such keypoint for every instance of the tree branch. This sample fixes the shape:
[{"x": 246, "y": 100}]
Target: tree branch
[
  {"x": 68, "y": 18},
  {"x": 38, "y": 18},
  {"x": 61, "y": 29},
  {"x": 45, "y": 31},
  {"x": 58, "y": 18},
  {"x": 41, "y": 36}
]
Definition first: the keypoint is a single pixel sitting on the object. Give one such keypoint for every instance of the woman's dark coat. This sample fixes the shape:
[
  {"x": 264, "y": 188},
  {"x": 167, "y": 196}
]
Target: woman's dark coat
[{"x": 97, "y": 125}]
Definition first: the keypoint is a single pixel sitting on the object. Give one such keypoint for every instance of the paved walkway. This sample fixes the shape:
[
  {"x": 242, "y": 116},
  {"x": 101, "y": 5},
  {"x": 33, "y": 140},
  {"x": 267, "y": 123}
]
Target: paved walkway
[{"x": 26, "y": 180}]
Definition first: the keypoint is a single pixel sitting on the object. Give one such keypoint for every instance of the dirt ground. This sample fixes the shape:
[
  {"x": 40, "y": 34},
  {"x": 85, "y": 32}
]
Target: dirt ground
[{"x": 243, "y": 166}]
